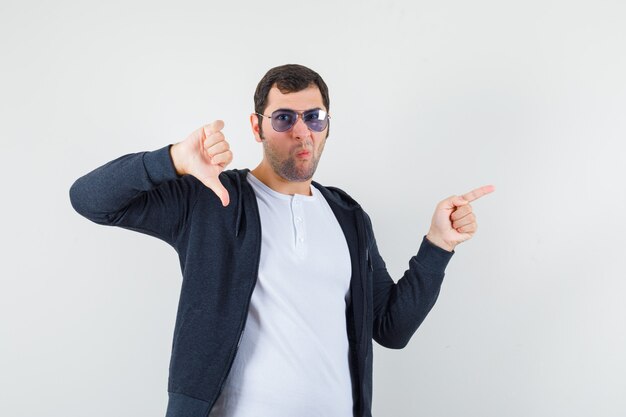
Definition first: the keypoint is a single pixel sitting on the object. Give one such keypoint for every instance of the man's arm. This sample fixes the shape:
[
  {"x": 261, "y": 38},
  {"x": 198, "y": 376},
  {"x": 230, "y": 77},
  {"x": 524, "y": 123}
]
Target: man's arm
[
  {"x": 400, "y": 308},
  {"x": 147, "y": 191},
  {"x": 140, "y": 192}
]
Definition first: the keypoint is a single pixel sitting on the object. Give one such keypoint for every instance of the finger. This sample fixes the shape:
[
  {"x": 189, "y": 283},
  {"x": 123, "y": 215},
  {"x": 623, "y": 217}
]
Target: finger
[
  {"x": 222, "y": 159},
  {"x": 469, "y": 219},
  {"x": 478, "y": 192},
  {"x": 216, "y": 186},
  {"x": 213, "y": 139},
  {"x": 217, "y": 148},
  {"x": 461, "y": 212},
  {"x": 469, "y": 228}
]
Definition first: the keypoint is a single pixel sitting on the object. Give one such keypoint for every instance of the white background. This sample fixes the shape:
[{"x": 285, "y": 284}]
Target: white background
[{"x": 429, "y": 99}]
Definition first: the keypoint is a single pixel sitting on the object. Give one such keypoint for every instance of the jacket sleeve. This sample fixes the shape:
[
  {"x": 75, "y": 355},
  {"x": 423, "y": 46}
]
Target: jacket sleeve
[
  {"x": 139, "y": 191},
  {"x": 400, "y": 308}
]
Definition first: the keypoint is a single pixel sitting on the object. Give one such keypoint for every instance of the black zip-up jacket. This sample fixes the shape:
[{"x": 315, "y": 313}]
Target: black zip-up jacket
[{"x": 219, "y": 249}]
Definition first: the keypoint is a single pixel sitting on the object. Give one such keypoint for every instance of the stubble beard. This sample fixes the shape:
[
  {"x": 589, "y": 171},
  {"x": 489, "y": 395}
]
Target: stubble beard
[{"x": 288, "y": 168}]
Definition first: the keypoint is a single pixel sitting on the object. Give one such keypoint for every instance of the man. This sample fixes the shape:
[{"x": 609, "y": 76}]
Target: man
[{"x": 272, "y": 252}]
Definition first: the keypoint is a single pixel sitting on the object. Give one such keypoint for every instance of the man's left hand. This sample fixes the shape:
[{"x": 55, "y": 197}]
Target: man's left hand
[{"x": 453, "y": 221}]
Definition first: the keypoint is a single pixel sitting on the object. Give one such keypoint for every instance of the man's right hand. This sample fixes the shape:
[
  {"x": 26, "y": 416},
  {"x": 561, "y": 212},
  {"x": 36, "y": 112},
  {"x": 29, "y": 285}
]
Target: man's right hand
[{"x": 204, "y": 154}]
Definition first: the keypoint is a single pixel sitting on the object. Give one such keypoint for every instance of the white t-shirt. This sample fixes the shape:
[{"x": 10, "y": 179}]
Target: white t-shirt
[{"x": 293, "y": 356}]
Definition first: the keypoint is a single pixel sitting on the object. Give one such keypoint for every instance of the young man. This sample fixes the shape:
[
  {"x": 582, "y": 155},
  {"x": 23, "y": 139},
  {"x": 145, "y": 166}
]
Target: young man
[{"x": 283, "y": 285}]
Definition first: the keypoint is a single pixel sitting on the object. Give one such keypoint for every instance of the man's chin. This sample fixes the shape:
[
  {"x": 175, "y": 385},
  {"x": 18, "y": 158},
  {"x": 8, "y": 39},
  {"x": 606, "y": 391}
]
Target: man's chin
[
  {"x": 297, "y": 172},
  {"x": 297, "y": 176}
]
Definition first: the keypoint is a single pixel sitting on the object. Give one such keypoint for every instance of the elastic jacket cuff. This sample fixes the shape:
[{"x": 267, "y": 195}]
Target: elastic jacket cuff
[
  {"x": 160, "y": 166},
  {"x": 432, "y": 256}
]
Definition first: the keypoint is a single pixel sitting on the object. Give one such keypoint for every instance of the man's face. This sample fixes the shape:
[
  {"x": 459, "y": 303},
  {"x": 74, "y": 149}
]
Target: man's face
[{"x": 294, "y": 154}]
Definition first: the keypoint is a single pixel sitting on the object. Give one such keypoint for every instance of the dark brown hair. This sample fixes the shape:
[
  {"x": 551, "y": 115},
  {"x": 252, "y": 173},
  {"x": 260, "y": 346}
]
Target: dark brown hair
[{"x": 289, "y": 78}]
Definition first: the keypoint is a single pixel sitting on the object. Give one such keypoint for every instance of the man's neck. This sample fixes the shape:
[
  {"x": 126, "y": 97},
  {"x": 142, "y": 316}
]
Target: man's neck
[{"x": 267, "y": 176}]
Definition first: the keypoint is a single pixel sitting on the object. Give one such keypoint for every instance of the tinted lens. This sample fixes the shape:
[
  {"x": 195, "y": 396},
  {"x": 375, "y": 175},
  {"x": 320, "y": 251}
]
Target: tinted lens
[
  {"x": 315, "y": 119},
  {"x": 282, "y": 120}
]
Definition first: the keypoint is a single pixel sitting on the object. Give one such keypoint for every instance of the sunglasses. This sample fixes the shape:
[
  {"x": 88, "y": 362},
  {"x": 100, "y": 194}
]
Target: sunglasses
[{"x": 283, "y": 119}]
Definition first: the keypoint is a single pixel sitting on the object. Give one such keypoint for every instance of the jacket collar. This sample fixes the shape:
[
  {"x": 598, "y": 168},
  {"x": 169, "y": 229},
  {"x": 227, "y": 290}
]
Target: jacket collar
[{"x": 334, "y": 194}]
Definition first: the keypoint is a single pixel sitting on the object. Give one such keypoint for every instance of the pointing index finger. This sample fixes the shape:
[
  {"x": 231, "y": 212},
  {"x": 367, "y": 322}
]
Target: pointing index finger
[{"x": 478, "y": 192}]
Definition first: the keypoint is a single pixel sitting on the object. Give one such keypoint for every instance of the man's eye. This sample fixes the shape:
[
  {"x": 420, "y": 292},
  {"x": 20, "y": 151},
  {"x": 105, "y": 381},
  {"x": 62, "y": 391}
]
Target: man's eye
[
  {"x": 314, "y": 115},
  {"x": 284, "y": 117}
]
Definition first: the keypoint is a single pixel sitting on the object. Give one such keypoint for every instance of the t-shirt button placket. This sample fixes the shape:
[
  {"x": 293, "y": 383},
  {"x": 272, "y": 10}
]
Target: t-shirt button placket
[{"x": 296, "y": 209}]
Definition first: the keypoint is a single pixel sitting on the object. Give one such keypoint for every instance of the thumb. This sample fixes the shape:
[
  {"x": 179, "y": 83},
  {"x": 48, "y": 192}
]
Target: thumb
[
  {"x": 453, "y": 202},
  {"x": 459, "y": 201},
  {"x": 213, "y": 127},
  {"x": 216, "y": 186}
]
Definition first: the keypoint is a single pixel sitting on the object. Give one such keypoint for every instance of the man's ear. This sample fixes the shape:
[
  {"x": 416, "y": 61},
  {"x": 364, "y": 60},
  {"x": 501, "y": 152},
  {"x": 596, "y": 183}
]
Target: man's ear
[{"x": 256, "y": 129}]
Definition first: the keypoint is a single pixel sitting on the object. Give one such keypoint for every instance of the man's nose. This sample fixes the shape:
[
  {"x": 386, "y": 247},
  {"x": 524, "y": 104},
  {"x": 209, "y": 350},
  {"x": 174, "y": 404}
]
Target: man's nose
[{"x": 300, "y": 129}]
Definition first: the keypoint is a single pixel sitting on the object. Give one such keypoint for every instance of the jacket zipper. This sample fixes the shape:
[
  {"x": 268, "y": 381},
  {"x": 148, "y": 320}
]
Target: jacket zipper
[
  {"x": 363, "y": 273},
  {"x": 362, "y": 267}
]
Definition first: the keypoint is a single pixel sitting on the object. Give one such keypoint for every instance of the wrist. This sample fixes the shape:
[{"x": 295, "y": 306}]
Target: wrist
[
  {"x": 437, "y": 241},
  {"x": 177, "y": 159}
]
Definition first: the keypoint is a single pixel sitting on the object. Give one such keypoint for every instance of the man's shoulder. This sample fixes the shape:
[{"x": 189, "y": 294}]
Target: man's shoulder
[{"x": 336, "y": 194}]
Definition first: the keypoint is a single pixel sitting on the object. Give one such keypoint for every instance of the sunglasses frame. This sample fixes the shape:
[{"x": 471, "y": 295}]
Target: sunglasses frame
[{"x": 299, "y": 114}]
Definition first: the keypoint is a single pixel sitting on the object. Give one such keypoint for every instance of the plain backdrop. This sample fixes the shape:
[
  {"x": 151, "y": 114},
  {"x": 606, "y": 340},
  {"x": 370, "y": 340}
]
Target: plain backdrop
[{"x": 429, "y": 99}]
